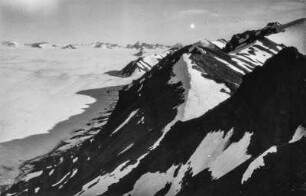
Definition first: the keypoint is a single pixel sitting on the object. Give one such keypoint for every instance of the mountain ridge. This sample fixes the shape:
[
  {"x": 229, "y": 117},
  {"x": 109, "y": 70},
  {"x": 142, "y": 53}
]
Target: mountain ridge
[{"x": 170, "y": 135}]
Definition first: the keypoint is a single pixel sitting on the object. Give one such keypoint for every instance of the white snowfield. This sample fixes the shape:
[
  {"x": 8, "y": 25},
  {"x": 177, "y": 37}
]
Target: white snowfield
[{"x": 39, "y": 86}]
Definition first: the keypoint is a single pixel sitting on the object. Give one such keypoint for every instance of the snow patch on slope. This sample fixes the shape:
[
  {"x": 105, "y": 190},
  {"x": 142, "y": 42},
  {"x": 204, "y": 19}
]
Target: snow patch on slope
[
  {"x": 233, "y": 156},
  {"x": 36, "y": 189},
  {"x": 208, "y": 150},
  {"x": 33, "y": 175},
  {"x": 257, "y": 163},
  {"x": 299, "y": 133},
  {"x": 126, "y": 121},
  {"x": 126, "y": 148},
  {"x": 61, "y": 180},
  {"x": 150, "y": 183}
]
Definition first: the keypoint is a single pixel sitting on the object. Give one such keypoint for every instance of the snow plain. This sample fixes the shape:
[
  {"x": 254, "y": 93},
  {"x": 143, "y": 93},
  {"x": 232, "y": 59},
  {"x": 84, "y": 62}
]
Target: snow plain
[{"x": 39, "y": 86}]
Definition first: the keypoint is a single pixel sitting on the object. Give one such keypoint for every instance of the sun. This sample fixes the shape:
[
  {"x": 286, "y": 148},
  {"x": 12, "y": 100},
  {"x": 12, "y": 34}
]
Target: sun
[{"x": 192, "y": 25}]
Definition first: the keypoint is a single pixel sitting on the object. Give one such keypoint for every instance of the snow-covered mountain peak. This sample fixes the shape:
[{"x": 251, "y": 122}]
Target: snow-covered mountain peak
[{"x": 200, "y": 93}]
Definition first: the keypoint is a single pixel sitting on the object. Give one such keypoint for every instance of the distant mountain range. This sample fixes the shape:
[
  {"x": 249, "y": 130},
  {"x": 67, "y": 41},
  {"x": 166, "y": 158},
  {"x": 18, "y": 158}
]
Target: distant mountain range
[
  {"x": 212, "y": 118},
  {"x": 139, "y": 45},
  {"x": 101, "y": 45}
]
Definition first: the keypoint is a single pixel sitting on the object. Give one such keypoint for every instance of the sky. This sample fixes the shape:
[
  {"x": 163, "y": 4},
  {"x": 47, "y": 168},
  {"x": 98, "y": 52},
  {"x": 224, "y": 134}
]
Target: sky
[{"x": 128, "y": 21}]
